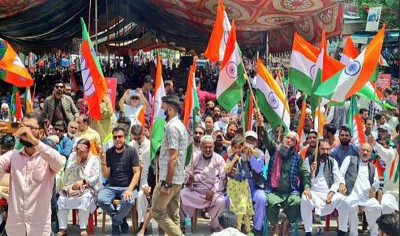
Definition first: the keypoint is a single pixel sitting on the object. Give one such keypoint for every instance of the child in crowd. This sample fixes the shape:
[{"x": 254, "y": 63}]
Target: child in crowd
[{"x": 238, "y": 170}]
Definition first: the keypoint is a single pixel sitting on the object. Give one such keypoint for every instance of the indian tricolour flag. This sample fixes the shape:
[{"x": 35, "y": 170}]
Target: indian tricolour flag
[
  {"x": 354, "y": 76},
  {"x": 302, "y": 64},
  {"x": 158, "y": 117},
  {"x": 393, "y": 169},
  {"x": 219, "y": 35},
  {"x": 192, "y": 106},
  {"x": 28, "y": 100},
  {"x": 271, "y": 99},
  {"x": 369, "y": 90},
  {"x": 354, "y": 122},
  {"x": 232, "y": 75}
]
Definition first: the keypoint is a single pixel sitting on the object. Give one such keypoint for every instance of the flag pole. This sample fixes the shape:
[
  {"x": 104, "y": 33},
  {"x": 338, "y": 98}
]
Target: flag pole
[
  {"x": 318, "y": 134},
  {"x": 283, "y": 110},
  {"x": 373, "y": 102},
  {"x": 243, "y": 118}
]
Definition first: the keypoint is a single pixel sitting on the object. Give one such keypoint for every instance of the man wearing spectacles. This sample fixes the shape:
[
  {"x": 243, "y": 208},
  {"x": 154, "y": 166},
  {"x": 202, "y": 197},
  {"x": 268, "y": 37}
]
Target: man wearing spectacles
[
  {"x": 60, "y": 106},
  {"x": 120, "y": 164},
  {"x": 29, "y": 211},
  {"x": 142, "y": 146},
  {"x": 65, "y": 144}
]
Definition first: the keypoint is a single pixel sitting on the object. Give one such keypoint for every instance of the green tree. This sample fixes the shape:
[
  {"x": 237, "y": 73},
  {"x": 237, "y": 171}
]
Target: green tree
[{"x": 389, "y": 14}]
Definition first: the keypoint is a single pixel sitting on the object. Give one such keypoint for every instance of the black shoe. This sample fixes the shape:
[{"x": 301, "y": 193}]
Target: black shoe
[
  {"x": 124, "y": 226},
  {"x": 341, "y": 233},
  {"x": 307, "y": 234},
  {"x": 115, "y": 230},
  {"x": 317, "y": 219}
]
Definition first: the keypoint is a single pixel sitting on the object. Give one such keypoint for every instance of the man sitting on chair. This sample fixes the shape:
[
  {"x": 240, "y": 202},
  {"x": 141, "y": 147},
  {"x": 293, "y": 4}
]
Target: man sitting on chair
[
  {"x": 208, "y": 180},
  {"x": 120, "y": 164},
  {"x": 325, "y": 180}
]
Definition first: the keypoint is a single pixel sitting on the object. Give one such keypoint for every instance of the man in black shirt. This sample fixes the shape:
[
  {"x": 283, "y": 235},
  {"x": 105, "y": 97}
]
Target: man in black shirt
[{"x": 120, "y": 164}]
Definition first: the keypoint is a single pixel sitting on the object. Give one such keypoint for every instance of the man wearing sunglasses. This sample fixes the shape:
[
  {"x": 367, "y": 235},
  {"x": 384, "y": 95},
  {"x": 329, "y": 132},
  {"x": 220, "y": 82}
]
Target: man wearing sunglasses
[
  {"x": 60, "y": 106},
  {"x": 65, "y": 144}
]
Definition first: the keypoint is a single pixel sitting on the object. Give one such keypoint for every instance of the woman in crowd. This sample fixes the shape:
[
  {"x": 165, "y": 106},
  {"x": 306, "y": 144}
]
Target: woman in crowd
[{"x": 81, "y": 183}]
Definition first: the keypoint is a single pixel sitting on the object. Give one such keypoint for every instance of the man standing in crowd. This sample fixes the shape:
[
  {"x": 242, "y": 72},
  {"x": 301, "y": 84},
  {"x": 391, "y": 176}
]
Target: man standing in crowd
[
  {"x": 198, "y": 134},
  {"x": 84, "y": 131},
  {"x": 142, "y": 145},
  {"x": 169, "y": 87},
  {"x": 363, "y": 114},
  {"x": 257, "y": 181},
  {"x": 361, "y": 183},
  {"x": 204, "y": 96},
  {"x": 345, "y": 148},
  {"x": 60, "y": 106},
  {"x": 166, "y": 195},
  {"x": 286, "y": 170},
  {"x": 205, "y": 188},
  {"x": 147, "y": 93},
  {"x": 329, "y": 132},
  {"x": 32, "y": 171},
  {"x": 325, "y": 180},
  {"x": 311, "y": 143},
  {"x": 120, "y": 165},
  {"x": 209, "y": 125}
]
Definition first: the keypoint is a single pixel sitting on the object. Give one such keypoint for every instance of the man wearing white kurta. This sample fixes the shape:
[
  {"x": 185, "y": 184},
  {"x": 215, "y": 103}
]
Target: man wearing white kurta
[
  {"x": 362, "y": 182},
  {"x": 390, "y": 198},
  {"x": 142, "y": 146},
  {"x": 325, "y": 180}
]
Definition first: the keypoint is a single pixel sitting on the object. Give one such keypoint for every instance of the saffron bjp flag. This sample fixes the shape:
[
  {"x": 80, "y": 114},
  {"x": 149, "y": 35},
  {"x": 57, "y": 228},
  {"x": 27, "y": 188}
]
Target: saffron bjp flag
[
  {"x": 354, "y": 76},
  {"x": 302, "y": 64},
  {"x": 219, "y": 35},
  {"x": 28, "y": 100},
  {"x": 94, "y": 84},
  {"x": 192, "y": 106},
  {"x": 271, "y": 99},
  {"x": 12, "y": 70},
  {"x": 232, "y": 75},
  {"x": 16, "y": 107},
  {"x": 157, "y": 114}
]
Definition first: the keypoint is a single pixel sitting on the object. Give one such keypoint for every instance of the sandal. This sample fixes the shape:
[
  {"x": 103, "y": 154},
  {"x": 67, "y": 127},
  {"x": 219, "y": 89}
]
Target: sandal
[{"x": 62, "y": 233}]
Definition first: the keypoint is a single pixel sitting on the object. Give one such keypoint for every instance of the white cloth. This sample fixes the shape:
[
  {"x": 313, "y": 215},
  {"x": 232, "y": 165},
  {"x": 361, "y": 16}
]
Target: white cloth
[
  {"x": 359, "y": 197},
  {"x": 62, "y": 215},
  {"x": 196, "y": 150},
  {"x": 319, "y": 192},
  {"x": 144, "y": 157}
]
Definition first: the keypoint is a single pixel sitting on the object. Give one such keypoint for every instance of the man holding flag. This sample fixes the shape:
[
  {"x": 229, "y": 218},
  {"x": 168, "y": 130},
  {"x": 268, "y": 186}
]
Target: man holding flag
[{"x": 166, "y": 195}]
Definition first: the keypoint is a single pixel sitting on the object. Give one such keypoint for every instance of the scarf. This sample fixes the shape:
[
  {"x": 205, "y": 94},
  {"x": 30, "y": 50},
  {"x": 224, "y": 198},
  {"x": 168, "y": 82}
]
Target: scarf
[{"x": 275, "y": 175}]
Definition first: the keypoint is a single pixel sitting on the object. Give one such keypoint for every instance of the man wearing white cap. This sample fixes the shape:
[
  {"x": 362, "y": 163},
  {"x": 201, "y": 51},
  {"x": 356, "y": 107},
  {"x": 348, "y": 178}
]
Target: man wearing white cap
[
  {"x": 257, "y": 182},
  {"x": 285, "y": 170}
]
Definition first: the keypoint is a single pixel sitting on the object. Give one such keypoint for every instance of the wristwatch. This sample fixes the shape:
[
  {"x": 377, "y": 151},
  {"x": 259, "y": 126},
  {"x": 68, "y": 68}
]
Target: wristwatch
[{"x": 164, "y": 184}]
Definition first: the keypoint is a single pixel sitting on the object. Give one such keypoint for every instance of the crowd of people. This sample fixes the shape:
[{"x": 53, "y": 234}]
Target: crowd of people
[{"x": 242, "y": 180}]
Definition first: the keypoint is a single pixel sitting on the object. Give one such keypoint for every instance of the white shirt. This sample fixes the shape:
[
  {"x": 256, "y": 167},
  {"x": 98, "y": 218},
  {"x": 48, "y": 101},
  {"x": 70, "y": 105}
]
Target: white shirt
[
  {"x": 319, "y": 184},
  {"x": 144, "y": 157},
  {"x": 361, "y": 186}
]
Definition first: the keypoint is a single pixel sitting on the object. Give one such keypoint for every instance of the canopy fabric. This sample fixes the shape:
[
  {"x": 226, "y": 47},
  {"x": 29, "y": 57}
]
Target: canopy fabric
[{"x": 41, "y": 25}]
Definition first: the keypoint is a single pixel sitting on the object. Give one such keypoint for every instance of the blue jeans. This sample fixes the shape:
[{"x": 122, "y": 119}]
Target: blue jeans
[{"x": 105, "y": 199}]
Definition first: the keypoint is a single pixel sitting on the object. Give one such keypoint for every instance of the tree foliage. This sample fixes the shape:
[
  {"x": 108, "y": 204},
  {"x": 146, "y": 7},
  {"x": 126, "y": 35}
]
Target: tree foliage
[{"x": 389, "y": 14}]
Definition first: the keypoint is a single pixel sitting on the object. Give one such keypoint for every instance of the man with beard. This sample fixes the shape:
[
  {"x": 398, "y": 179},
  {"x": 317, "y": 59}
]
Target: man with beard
[
  {"x": 308, "y": 125},
  {"x": 32, "y": 171},
  {"x": 85, "y": 131},
  {"x": 325, "y": 180},
  {"x": 198, "y": 134},
  {"x": 286, "y": 169},
  {"x": 120, "y": 165},
  {"x": 361, "y": 183},
  {"x": 71, "y": 132},
  {"x": 257, "y": 181},
  {"x": 230, "y": 133},
  {"x": 208, "y": 181},
  {"x": 217, "y": 113},
  {"x": 345, "y": 148},
  {"x": 309, "y": 150},
  {"x": 60, "y": 106},
  {"x": 166, "y": 195}
]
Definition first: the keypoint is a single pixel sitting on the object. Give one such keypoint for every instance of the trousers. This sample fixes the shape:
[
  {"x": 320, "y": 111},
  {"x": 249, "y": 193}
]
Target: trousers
[{"x": 83, "y": 217}]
